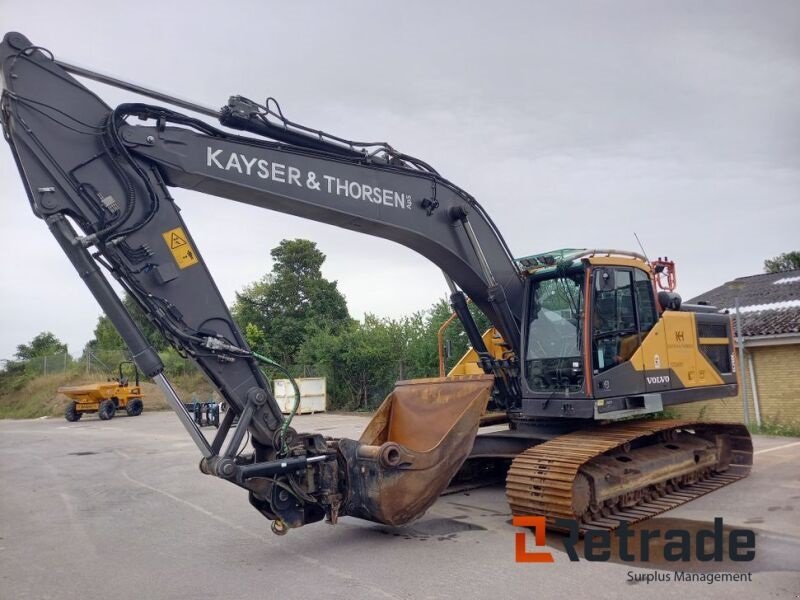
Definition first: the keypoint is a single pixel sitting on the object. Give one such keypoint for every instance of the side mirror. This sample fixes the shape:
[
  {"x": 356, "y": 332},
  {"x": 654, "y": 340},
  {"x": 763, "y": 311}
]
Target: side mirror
[{"x": 604, "y": 280}]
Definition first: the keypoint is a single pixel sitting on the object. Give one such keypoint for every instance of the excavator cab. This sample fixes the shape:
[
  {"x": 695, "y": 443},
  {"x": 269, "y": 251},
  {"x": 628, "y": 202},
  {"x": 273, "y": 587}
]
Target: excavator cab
[
  {"x": 601, "y": 342},
  {"x": 573, "y": 308}
]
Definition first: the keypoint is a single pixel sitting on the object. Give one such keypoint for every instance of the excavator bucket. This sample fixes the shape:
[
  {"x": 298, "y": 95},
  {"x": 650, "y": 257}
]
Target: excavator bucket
[{"x": 412, "y": 447}]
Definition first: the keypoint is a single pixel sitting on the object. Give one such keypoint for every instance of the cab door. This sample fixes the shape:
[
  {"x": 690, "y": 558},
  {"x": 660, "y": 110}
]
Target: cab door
[
  {"x": 617, "y": 368},
  {"x": 654, "y": 356}
]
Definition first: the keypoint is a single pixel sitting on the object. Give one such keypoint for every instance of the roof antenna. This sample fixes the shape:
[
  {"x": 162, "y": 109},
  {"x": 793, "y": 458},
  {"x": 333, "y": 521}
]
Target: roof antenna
[{"x": 640, "y": 246}]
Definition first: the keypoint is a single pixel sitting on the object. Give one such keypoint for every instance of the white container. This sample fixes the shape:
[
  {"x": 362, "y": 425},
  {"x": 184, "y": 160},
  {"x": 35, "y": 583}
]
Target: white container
[{"x": 313, "y": 395}]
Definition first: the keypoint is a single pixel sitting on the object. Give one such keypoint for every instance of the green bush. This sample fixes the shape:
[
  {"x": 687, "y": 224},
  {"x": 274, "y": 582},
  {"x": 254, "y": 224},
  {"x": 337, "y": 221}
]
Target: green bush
[{"x": 768, "y": 427}]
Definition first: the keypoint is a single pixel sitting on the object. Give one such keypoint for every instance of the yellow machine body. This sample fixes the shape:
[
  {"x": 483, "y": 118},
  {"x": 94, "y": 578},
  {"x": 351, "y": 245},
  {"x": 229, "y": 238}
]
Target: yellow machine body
[
  {"x": 105, "y": 397},
  {"x": 89, "y": 396}
]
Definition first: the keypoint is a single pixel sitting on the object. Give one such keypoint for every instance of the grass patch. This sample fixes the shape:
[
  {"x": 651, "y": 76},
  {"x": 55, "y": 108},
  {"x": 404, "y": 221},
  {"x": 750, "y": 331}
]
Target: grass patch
[
  {"x": 38, "y": 397},
  {"x": 773, "y": 428},
  {"x": 667, "y": 413}
]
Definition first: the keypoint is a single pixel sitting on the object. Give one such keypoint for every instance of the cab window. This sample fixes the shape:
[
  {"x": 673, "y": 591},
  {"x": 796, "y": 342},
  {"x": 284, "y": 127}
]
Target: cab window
[
  {"x": 645, "y": 301},
  {"x": 615, "y": 335},
  {"x": 613, "y": 301},
  {"x": 554, "y": 353}
]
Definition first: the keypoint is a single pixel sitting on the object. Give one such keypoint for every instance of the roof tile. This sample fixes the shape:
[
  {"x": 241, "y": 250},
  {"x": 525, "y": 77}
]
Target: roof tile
[{"x": 773, "y": 298}]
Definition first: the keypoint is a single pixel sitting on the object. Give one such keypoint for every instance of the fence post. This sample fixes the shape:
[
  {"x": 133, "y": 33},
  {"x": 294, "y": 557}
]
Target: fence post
[{"x": 45, "y": 365}]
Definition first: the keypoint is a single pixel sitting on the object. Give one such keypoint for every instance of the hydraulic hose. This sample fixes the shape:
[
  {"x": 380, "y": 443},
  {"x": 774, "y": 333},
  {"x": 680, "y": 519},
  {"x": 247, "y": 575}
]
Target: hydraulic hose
[{"x": 287, "y": 421}]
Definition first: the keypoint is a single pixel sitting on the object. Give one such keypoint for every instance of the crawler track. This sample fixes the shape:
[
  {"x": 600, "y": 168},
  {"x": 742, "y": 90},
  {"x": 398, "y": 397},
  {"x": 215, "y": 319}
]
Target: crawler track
[{"x": 556, "y": 479}]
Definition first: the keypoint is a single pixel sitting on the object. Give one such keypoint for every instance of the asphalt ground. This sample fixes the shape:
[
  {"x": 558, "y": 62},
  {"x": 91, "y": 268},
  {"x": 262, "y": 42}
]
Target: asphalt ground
[{"x": 119, "y": 510}]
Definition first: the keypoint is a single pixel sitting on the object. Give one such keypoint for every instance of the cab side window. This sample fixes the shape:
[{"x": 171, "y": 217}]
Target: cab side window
[
  {"x": 614, "y": 333},
  {"x": 645, "y": 301},
  {"x": 613, "y": 301}
]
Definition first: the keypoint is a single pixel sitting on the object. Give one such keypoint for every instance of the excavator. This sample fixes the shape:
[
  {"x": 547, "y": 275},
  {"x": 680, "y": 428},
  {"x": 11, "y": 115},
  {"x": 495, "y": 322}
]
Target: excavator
[{"x": 584, "y": 354}]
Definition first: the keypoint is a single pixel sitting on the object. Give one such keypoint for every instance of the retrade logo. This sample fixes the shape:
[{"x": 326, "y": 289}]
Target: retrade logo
[
  {"x": 538, "y": 524},
  {"x": 672, "y": 545}
]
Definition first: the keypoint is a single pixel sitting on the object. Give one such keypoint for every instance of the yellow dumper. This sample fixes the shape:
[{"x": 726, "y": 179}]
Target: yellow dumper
[{"x": 104, "y": 398}]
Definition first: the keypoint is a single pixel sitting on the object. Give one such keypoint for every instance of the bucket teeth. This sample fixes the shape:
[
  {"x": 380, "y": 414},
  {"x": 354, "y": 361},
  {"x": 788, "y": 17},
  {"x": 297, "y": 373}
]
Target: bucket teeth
[{"x": 542, "y": 480}]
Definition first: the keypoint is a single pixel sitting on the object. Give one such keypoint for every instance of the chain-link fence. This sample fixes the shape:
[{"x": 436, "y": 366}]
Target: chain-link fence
[
  {"x": 97, "y": 362},
  {"x": 45, "y": 365}
]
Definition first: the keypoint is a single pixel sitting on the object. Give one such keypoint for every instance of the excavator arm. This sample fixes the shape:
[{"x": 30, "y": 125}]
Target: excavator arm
[{"x": 100, "y": 177}]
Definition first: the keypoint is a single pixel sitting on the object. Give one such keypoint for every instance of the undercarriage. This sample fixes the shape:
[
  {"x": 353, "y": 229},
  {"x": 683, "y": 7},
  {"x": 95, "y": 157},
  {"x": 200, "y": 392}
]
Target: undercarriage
[{"x": 628, "y": 471}]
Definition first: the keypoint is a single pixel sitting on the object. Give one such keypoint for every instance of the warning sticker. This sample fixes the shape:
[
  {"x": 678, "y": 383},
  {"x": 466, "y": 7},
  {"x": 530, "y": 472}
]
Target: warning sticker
[{"x": 180, "y": 247}]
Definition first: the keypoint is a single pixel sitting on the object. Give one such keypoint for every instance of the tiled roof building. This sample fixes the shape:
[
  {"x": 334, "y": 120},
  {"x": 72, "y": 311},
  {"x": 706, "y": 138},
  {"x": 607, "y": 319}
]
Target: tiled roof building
[
  {"x": 769, "y": 304},
  {"x": 769, "y": 310}
]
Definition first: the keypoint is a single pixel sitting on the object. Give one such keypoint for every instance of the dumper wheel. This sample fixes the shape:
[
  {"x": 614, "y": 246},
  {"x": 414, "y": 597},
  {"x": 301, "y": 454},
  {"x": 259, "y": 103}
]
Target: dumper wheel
[
  {"x": 72, "y": 414},
  {"x": 134, "y": 407},
  {"x": 106, "y": 410}
]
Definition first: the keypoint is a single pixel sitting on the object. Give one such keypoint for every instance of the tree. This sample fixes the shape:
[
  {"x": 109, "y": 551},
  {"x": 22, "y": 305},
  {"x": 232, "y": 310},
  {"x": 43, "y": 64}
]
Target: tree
[
  {"x": 279, "y": 310},
  {"x": 44, "y": 344},
  {"x": 362, "y": 362},
  {"x": 106, "y": 337},
  {"x": 788, "y": 261}
]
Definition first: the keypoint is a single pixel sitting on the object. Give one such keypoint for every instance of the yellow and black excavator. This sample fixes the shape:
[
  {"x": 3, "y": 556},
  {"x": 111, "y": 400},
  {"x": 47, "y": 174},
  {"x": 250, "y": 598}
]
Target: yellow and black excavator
[{"x": 585, "y": 348}]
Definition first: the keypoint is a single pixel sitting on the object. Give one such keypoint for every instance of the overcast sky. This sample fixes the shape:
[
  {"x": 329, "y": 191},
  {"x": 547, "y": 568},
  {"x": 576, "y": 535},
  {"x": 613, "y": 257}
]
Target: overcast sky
[{"x": 574, "y": 124}]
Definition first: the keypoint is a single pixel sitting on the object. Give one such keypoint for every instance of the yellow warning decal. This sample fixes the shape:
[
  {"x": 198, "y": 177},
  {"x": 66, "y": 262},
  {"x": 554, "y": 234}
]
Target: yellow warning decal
[{"x": 181, "y": 249}]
